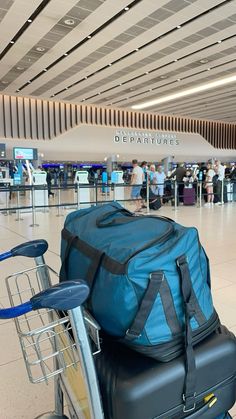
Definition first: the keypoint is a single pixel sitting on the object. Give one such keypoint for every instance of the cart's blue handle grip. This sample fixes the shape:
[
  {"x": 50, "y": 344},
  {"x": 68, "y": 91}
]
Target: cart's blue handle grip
[
  {"x": 31, "y": 249},
  {"x": 64, "y": 296}
]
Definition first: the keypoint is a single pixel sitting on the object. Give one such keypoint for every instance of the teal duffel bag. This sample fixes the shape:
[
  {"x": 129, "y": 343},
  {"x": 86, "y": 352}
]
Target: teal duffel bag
[
  {"x": 149, "y": 279},
  {"x": 147, "y": 275}
]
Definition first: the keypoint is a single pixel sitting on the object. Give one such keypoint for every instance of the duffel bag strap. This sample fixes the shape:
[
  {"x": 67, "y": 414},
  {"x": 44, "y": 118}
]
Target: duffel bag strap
[
  {"x": 190, "y": 378},
  {"x": 155, "y": 281},
  {"x": 63, "y": 275}
]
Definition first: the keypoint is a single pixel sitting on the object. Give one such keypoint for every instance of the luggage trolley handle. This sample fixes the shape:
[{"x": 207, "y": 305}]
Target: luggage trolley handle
[
  {"x": 63, "y": 296},
  {"x": 31, "y": 249}
]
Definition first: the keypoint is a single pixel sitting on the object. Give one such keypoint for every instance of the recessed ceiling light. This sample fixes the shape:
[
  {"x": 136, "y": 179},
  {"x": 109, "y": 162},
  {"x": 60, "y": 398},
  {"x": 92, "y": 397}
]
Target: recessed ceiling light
[
  {"x": 17, "y": 90},
  {"x": 208, "y": 69},
  {"x": 29, "y": 20},
  {"x": 175, "y": 61},
  {"x": 12, "y": 42},
  {"x": 136, "y": 49},
  {"x": 20, "y": 68},
  {"x": 178, "y": 27},
  {"x": 126, "y": 8},
  {"x": 4, "y": 81},
  {"x": 147, "y": 72},
  {"x": 163, "y": 76},
  {"x": 89, "y": 36},
  {"x": 85, "y": 78},
  {"x": 178, "y": 79},
  {"x": 120, "y": 84},
  {"x": 66, "y": 88},
  {"x": 99, "y": 93},
  {"x": 219, "y": 42},
  {"x": 45, "y": 69},
  {"x": 110, "y": 64},
  {"x": 204, "y": 61},
  {"x": 40, "y": 49},
  {"x": 69, "y": 22},
  {"x": 29, "y": 81},
  {"x": 65, "y": 54},
  {"x": 83, "y": 100},
  {"x": 195, "y": 90},
  {"x": 53, "y": 95}
]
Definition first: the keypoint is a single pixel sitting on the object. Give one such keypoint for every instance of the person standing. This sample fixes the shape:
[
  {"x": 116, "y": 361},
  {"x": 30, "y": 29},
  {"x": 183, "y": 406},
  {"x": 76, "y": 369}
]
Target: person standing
[
  {"x": 220, "y": 171},
  {"x": 209, "y": 185},
  {"x": 136, "y": 184},
  {"x": 179, "y": 174},
  {"x": 160, "y": 180},
  {"x": 233, "y": 180}
]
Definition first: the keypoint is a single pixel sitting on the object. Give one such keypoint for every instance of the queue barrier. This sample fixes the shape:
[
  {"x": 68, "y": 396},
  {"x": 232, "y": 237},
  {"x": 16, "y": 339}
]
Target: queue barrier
[{"x": 16, "y": 198}]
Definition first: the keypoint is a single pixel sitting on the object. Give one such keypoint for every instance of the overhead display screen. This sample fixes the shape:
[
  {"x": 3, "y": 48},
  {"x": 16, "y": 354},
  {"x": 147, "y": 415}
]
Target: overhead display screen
[
  {"x": 22, "y": 153},
  {"x": 2, "y": 150}
]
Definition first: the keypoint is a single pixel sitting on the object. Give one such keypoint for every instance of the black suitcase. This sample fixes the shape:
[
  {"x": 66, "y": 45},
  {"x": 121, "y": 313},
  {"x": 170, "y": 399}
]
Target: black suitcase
[{"x": 137, "y": 387}]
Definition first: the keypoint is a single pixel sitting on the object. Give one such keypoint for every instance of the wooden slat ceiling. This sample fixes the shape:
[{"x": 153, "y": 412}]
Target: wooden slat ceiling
[{"x": 121, "y": 53}]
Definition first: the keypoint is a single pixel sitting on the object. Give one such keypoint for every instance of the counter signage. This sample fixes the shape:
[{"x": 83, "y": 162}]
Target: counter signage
[{"x": 146, "y": 138}]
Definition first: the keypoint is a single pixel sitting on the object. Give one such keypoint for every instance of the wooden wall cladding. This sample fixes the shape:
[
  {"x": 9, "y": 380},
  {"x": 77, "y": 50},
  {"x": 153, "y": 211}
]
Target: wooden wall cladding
[{"x": 30, "y": 118}]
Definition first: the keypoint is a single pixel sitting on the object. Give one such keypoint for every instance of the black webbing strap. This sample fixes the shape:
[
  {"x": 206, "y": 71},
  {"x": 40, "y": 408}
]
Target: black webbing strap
[
  {"x": 93, "y": 268},
  {"x": 189, "y": 308},
  {"x": 63, "y": 275},
  {"x": 146, "y": 305}
]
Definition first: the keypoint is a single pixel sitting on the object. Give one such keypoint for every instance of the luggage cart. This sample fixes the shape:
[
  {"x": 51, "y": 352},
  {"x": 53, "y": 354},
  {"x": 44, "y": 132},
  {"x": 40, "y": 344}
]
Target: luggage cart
[
  {"x": 56, "y": 334},
  {"x": 45, "y": 334}
]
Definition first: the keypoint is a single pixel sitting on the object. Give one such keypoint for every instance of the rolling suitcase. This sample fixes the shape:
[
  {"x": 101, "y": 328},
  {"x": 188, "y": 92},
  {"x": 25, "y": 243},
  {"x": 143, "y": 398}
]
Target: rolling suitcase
[
  {"x": 138, "y": 387},
  {"x": 189, "y": 196}
]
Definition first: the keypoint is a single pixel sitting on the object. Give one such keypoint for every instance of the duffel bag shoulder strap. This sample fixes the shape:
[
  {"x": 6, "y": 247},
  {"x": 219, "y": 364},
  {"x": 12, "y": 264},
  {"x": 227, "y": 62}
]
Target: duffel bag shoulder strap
[
  {"x": 94, "y": 254},
  {"x": 189, "y": 311},
  {"x": 154, "y": 285}
]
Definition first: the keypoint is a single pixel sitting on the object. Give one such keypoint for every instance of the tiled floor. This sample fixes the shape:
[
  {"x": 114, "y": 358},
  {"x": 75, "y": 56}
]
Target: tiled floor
[{"x": 217, "y": 228}]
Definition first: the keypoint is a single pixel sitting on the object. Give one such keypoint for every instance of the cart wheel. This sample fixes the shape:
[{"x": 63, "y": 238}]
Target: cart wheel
[{"x": 51, "y": 415}]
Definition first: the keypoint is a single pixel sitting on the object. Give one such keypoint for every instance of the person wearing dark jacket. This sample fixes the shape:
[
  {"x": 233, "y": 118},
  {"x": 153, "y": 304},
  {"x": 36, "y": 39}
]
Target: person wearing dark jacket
[
  {"x": 49, "y": 183},
  {"x": 179, "y": 174}
]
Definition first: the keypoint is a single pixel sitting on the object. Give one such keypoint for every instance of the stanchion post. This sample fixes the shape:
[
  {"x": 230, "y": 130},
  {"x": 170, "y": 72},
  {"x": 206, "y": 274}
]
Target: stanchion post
[
  {"x": 6, "y": 203},
  {"x": 147, "y": 195},
  {"x": 200, "y": 194},
  {"x": 96, "y": 192},
  {"x": 222, "y": 192},
  {"x": 176, "y": 196},
  {"x": 114, "y": 191},
  {"x": 34, "y": 224},
  {"x": 59, "y": 203},
  {"x": 18, "y": 217},
  {"x": 78, "y": 196}
]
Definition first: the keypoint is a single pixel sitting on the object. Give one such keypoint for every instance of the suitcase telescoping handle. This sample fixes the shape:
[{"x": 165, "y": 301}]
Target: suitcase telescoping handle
[
  {"x": 31, "y": 249},
  {"x": 63, "y": 296}
]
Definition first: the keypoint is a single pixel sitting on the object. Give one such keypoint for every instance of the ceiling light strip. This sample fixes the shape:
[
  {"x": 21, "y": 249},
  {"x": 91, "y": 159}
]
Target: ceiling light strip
[
  {"x": 24, "y": 27},
  {"x": 147, "y": 44},
  {"x": 188, "y": 92}
]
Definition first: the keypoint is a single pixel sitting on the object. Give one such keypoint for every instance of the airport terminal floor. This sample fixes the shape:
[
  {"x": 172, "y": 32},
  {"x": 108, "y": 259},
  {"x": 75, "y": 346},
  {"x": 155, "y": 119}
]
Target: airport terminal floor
[{"x": 21, "y": 400}]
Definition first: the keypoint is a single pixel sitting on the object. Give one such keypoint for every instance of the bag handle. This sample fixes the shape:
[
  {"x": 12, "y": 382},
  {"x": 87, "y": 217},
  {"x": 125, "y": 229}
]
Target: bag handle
[{"x": 104, "y": 221}]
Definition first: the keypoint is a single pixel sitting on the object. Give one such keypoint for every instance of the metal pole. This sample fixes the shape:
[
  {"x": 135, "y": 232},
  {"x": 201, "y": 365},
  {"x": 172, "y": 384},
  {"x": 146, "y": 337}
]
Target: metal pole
[
  {"x": 200, "y": 193},
  {"x": 147, "y": 195},
  {"x": 18, "y": 217},
  {"x": 78, "y": 196},
  {"x": 6, "y": 212},
  {"x": 59, "y": 203},
  {"x": 44, "y": 198},
  {"x": 176, "y": 196},
  {"x": 114, "y": 192},
  {"x": 96, "y": 193},
  {"x": 222, "y": 192},
  {"x": 33, "y": 208}
]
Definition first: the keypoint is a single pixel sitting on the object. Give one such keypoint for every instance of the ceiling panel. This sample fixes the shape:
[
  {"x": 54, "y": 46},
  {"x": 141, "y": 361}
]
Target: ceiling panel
[{"x": 120, "y": 53}]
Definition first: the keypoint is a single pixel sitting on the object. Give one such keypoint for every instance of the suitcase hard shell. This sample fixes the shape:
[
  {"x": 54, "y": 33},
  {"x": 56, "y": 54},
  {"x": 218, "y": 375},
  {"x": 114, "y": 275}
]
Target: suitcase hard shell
[
  {"x": 137, "y": 387},
  {"x": 189, "y": 196}
]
